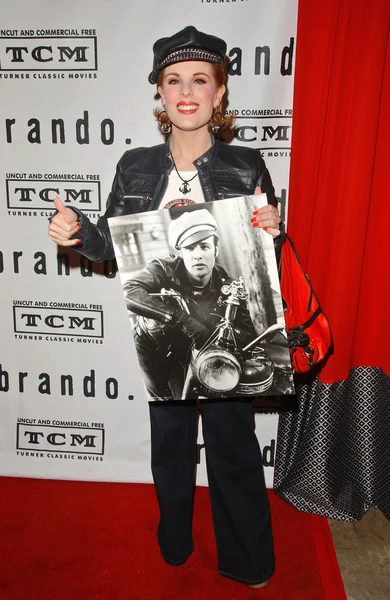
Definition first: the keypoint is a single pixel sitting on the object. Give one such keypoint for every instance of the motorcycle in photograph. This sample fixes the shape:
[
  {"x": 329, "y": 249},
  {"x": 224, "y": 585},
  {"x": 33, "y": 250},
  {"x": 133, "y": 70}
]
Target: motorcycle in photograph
[{"x": 221, "y": 368}]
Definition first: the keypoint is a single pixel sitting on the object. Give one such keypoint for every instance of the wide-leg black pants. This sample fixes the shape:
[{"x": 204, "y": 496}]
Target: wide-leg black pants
[{"x": 236, "y": 483}]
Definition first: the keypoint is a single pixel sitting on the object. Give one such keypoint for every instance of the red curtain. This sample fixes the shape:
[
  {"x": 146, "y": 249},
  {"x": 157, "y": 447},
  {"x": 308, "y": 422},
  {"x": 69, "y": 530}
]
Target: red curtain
[{"x": 339, "y": 205}]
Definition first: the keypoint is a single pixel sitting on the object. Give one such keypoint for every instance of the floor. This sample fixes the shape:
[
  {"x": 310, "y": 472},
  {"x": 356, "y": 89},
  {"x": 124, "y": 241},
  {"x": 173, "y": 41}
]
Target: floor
[{"x": 363, "y": 553}]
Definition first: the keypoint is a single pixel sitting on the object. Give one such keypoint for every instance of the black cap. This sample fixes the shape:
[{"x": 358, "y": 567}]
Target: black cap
[{"x": 187, "y": 44}]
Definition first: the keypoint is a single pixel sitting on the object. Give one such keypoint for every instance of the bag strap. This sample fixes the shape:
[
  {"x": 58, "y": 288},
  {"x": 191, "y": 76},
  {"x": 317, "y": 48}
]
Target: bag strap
[
  {"x": 318, "y": 311},
  {"x": 309, "y": 321},
  {"x": 294, "y": 250}
]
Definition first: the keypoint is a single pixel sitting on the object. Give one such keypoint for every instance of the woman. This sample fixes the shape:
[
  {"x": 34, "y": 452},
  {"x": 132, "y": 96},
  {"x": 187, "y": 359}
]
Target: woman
[{"x": 193, "y": 167}]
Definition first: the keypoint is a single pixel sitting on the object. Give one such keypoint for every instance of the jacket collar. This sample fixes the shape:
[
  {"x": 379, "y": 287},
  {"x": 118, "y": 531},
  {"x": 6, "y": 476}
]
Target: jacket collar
[{"x": 202, "y": 161}]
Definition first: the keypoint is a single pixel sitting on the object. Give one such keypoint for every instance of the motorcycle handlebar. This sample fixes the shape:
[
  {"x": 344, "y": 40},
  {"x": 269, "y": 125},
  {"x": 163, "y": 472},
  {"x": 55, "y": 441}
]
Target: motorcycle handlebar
[{"x": 271, "y": 329}]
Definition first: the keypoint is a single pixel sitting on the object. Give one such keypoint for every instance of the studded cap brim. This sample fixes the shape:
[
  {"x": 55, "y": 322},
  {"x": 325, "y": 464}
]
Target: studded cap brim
[{"x": 181, "y": 56}]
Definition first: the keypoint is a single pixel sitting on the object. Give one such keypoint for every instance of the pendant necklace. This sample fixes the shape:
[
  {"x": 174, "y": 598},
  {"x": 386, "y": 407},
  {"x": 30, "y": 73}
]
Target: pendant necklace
[{"x": 185, "y": 188}]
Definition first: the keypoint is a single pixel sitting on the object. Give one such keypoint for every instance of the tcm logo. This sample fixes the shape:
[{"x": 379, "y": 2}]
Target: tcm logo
[
  {"x": 265, "y": 133},
  {"x": 33, "y": 194},
  {"x": 63, "y": 321},
  {"x": 79, "y": 440},
  {"x": 48, "y": 53}
]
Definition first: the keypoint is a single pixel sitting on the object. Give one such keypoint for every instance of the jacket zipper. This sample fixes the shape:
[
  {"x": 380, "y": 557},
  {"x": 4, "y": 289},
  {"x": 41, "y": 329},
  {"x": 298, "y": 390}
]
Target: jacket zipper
[{"x": 134, "y": 196}]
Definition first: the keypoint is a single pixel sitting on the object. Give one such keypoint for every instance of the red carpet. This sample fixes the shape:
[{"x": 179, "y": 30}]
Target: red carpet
[{"x": 65, "y": 540}]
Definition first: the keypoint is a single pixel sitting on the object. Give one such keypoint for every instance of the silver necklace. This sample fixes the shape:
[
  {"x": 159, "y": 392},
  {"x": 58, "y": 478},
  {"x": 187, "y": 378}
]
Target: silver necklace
[{"x": 185, "y": 188}]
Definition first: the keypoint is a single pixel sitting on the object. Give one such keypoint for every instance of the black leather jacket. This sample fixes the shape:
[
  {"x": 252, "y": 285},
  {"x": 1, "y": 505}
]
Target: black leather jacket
[
  {"x": 205, "y": 309},
  {"x": 142, "y": 178}
]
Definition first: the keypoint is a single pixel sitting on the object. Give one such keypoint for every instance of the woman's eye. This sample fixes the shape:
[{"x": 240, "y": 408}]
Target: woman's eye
[
  {"x": 200, "y": 81},
  {"x": 170, "y": 81}
]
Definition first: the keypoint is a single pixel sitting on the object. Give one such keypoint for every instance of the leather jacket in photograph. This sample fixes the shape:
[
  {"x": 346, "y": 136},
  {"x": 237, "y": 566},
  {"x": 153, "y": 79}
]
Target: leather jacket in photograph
[
  {"x": 205, "y": 308},
  {"x": 141, "y": 179}
]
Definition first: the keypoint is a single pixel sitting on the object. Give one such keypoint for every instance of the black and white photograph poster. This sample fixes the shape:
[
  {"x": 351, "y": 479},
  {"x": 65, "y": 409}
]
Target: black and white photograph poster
[{"x": 202, "y": 291}]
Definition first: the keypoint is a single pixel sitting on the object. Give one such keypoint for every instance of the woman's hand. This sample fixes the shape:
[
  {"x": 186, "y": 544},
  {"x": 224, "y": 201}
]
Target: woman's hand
[
  {"x": 267, "y": 217},
  {"x": 64, "y": 225}
]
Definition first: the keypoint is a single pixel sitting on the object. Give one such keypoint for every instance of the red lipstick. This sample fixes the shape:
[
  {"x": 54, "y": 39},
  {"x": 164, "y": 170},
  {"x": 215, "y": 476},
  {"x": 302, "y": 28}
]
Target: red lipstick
[{"x": 187, "y": 108}]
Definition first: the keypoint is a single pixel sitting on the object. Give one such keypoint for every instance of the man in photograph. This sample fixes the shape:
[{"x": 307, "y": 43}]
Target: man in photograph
[{"x": 166, "y": 329}]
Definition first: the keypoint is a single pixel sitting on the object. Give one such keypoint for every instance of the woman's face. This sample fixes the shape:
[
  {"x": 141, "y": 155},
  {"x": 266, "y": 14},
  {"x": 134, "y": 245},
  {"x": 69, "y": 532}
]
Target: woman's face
[{"x": 190, "y": 93}]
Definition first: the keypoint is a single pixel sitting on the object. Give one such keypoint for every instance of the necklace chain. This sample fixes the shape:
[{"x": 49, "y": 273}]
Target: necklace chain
[{"x": 185, "y": 188}]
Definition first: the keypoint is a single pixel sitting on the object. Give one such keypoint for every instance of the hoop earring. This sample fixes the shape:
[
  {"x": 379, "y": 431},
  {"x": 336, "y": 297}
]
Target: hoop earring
[
  {"x": 215, "y": 127},
  {"x": 165, "y": 128}
]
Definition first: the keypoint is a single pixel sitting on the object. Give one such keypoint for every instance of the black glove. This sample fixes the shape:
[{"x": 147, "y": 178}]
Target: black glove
[{"x": 195, "y": 331}]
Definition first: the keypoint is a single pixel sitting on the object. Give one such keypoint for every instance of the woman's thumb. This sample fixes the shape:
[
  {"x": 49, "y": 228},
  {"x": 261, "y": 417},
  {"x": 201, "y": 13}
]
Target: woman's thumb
[{"x": 58, "y": 204}]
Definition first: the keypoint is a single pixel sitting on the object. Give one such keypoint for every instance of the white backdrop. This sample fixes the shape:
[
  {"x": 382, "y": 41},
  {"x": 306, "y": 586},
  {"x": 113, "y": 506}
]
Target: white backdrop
[{"x": 74, "y": 97}]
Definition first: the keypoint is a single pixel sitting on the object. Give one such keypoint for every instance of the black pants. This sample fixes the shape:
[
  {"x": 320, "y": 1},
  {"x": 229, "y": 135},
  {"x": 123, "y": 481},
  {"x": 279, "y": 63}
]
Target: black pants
[
  {"x": 163, "y": 375},
  {"x": 236, "y": 483}
]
